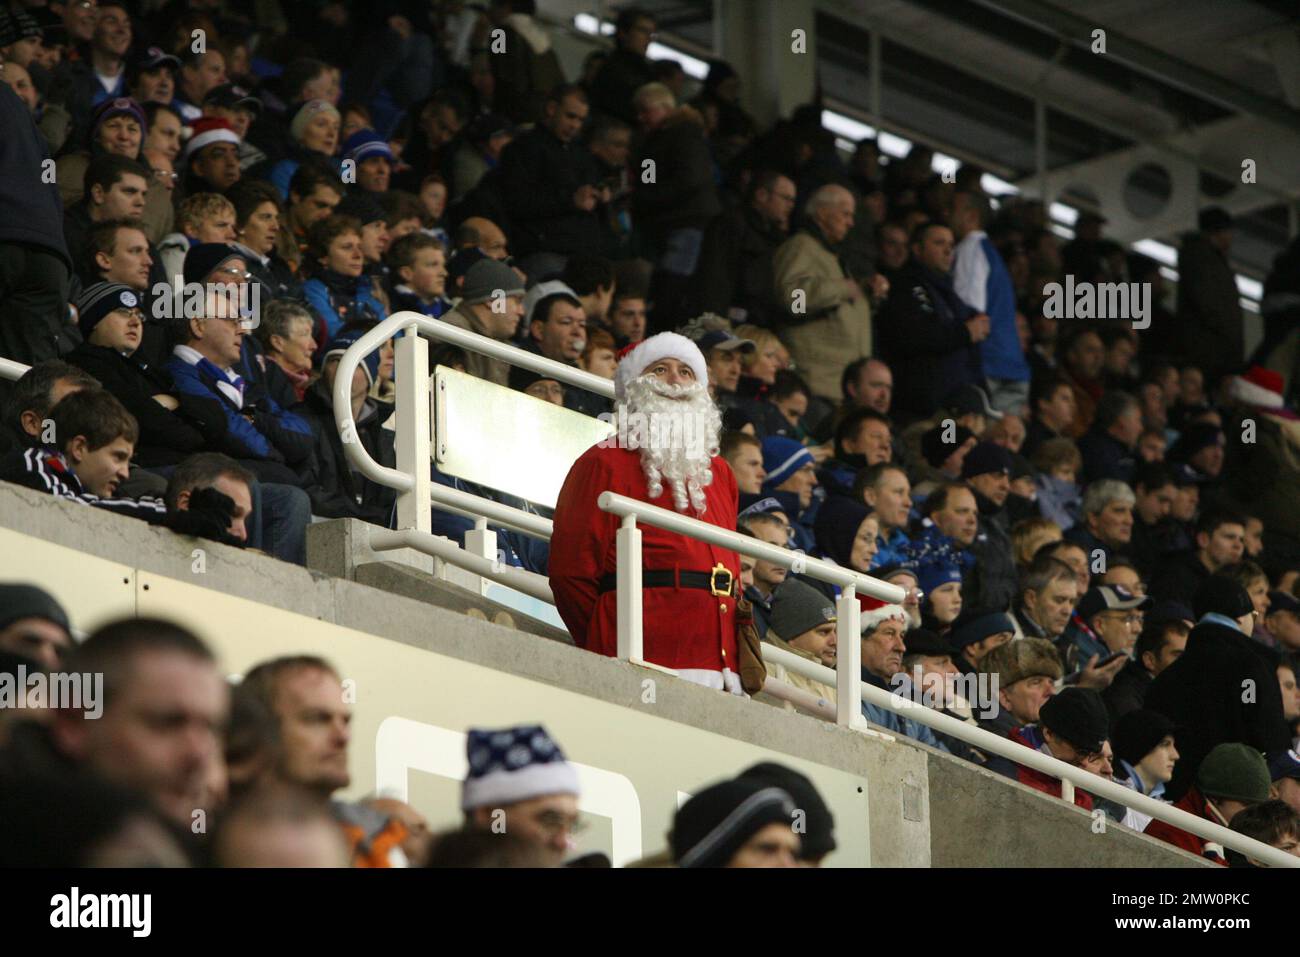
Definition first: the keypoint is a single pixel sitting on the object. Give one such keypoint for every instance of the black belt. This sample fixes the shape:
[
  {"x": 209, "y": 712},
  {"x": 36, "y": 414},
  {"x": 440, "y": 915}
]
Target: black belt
[{"x": 718, "y": 582}]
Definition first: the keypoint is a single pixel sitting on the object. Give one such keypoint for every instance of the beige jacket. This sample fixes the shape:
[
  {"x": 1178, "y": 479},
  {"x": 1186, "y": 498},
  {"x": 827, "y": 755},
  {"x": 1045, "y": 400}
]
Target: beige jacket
[
  {"x": 831, "y": 331},
  {"x": 475, "y": 364},
  {"x": 816, "y": 688}
]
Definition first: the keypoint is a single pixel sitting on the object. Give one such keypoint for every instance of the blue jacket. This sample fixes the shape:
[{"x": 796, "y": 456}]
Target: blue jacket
[
  {"x": 1058, "y": 500},
  {"x": 892, "y": 721},
  {"x": 273, "y": 434},
  {"x": 893, "y": 551},
  {"x": 337, "y": 310},
  {"x": 1001, "y": 352},
  {"x": 517, "y": 549}
]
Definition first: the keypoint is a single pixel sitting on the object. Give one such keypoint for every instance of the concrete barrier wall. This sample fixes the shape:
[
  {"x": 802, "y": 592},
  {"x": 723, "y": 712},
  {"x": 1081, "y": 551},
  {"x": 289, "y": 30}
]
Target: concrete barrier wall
[{"x": 916, "y": 808}]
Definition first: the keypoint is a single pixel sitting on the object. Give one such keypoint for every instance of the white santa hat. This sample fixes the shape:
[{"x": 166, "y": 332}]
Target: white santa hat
[
  {"x": 665, "y": 345},
  {"x": 875, "y": 617},
  {"x": 1259, "y": 387}
]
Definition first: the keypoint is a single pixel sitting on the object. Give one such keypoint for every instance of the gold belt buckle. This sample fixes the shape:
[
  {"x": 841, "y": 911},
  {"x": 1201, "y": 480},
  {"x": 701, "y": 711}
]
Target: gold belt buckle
[{"x": 721, "y": 592}]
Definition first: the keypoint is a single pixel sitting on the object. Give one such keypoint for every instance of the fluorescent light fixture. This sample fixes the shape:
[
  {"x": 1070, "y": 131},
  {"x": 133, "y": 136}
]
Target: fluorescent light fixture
[
  {"x": 1250, "y": 288},
  {"x": 586, "y": 23},
  {"x": 695, "y": 68},
  {"x": 996, "y": 186},
  {"x": 943, "y": 163},
  {"x": 847, "y": 127},
  {"x": 1065, "y": 232},
  {"x": 1063, "y": 214},
  {"x": 1160, "y": 252}
]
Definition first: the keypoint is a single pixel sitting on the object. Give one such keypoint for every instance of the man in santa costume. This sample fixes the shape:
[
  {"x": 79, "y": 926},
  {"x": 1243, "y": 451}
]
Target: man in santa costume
[{"x": 690, "y": 588}]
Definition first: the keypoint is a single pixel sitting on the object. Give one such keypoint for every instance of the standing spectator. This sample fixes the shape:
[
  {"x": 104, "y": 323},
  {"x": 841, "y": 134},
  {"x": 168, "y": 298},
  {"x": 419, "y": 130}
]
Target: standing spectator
[
  {"x": 1162, "y": 641},
  {"x": 336, "y": 489},
  {"x": 992, "y": 582},
  {"x": 826, "y": 315},
  {"x": 926, "y": 331},
  {"x": 491, "y": 305},
  {"x": 34, "y": 625},
  {"x": 1232, "y": 778},
  {"x": 698, "y": 597},
  {"x": 1222, "y": 688},
  {"x": 520, "y": 782},
  {"x": 627, "y": 69},
  {"x": 1145, "y": 753},
  {"x": 1220, "y": 542},
  {"x": 35, "y": 266},
  {"x": 527, "y": 70},
  {"x": 549, "y": 184},
  {"x": 982, "y": 281},
  {"x": 674, "y": 197},
  {"x": 1209, "y": 308},
  {"x": 735, "y": 277}
]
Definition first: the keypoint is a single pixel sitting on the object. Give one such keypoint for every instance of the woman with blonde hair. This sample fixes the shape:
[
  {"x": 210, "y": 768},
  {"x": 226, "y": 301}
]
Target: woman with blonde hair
[{"x": 759, "y": 368}]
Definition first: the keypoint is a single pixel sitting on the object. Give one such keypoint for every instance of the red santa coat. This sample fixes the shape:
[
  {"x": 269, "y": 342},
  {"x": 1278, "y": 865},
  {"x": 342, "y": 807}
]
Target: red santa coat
[{"x": 684, "y": 628}]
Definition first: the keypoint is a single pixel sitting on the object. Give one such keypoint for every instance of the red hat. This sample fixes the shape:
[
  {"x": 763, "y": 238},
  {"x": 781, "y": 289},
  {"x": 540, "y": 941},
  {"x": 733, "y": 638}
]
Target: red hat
[
  {"x": 209, "y": 130},
  {"x": 1259, "y": 387}
]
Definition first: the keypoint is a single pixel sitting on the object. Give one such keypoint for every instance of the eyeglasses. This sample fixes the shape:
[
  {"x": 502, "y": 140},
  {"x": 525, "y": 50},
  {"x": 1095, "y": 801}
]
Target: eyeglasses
[
  {"x": 233, "y": 272},
  {"x": 165, "y": 175}
]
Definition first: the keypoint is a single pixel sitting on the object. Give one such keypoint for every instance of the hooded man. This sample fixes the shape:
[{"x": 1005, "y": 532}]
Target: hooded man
[{"x": 666, "y": 456}]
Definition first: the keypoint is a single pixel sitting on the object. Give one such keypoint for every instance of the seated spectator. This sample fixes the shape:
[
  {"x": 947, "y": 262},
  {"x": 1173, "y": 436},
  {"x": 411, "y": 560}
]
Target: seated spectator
[
  {"x": 417, "y": 266},
  {"x": 372, "y": 160},
  {"x": 89, "y": 460},
  {"x": 116, "y": 128},
  {"x": 1204, "y": 691},
  {"x": 285, "y": 334},
  {"x": 792, "y": 479},
  {"x": 476, "y": 154},
  {"x": 1106, "y": 528},
  {"x": 1285, "y": 772},
  {"x": 599, "y": 356},
  {"x": 1084, "y": 357},
  {"x": 1029, "y": 535},
  {"x": 1072, "y": 728},
  {"x": 557, "y": 329},
  {"x": 809, "y": 619},
  {"x": 975, "y": 633},
  {"x": 114, "y": 189},
  {"x": 1105, "y": 624},
  {"x": 403, "y": 215},
  {"x": 950, "y": 513},
  {"x": 992, "y": 582},
  {"x": 791, "y": 398},
  {"x": 537, "y": 385},
  {"x": 867, "y": 382},
  {"x": 315, "y": 135},
  {"x": 943, "y": 451},
  {"x": 172, "y": 425},
  {"x": 846, "y": 533},
  {"x": 928, "y": 663},
  {"x": 314, "y": 193},
  {"x": 926, "y": 331},
  {"x": 744, "y": 822},
  {"x": 257, "y": 227},
  {"x": 1162, "y": 641},
  {"x": 882, "y": 667},
  {"x": 1274, "y": 823},
  {"x": 201, "y": 71},
  {"x": 1230, "y": 779},
  {"x": 1074, "y": 556},
  {"x": 274, "y": 443},
  {"x": 340, "y": 291},
  {"x": 1059, "y": 499},
  {"x": 152, "y": 667},
  {"x": 1145, "y": 754},
  {"x": 1282, "y": 623},
  {"x": 939, "y": 576},
  {"x": 306, "y": 695},
  {"x": 1108, "y": 450},
  {"x": 34, "y": 625},
  {"x": 520, "y": 782},
  {"x": 210, "y": 495},
  {"x": 1153, "y": 530},
  {"x": 337, "y": 490},
  {"x": 240, "y": 109},
  {"x": 770, "y": 527},
  {"x": 744, "y": 453},
  {"x": 1049, "y": 590},
  {"x": 119, "y": 252},
  {"x": 278, "y": 828},
  {"x": 211, "y": 157},
  {"x": 1026, "y": 672},
  {"x": 885, "y": 489},
  {"x": 200, "y": 218},
  {"x": 1220, "y": 542},
  {"x": 491, "y": 305},
  {"x": 827, "y": 315},
  {"x": 369, "y": 212}
]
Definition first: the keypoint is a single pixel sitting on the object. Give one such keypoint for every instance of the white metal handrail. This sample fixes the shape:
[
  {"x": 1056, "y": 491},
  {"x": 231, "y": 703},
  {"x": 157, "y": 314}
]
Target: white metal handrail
[
  {"x": 12, "y": 371},
  {"x": 1018, "y": 753},
  {"x": 520, "y": 579}
]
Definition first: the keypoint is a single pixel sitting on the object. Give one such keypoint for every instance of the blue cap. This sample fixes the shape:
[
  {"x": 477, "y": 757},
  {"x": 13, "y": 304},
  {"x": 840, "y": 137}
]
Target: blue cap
[
  {"x": 366, "y": 144},
  {"x": 978, "y": 625},
  {"x": 340, "y": 344},
  {"x": 782, "y": 457},
  {"x": 1285, "y": 765}
]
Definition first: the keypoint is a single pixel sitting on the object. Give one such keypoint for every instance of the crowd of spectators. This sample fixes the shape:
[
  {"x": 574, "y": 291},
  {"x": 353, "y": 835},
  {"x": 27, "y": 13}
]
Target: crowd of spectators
[{"x": 1099, "y": 512}]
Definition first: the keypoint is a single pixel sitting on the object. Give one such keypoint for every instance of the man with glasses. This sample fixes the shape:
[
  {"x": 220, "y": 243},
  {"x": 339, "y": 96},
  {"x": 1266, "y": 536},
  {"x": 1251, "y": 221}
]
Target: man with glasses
[
  {"x": 274, "y": 444},
  {"x": 627, "y": 69},
  {"x": 1106, "y": 622},
  {"x": 734, "y": 276},
  {"x": 1072, "y": 727},
  {"x": 519, "y": 783}
]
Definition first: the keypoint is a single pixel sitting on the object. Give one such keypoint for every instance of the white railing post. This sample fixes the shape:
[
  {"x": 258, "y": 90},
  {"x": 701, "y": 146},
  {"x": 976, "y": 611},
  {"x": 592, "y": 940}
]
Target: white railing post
[
  {"x": 848, "y": 659},
  {"x": 629, "y": 591},
  {"x": 482, "y": 541},
  {"x": 411, "y": 372}
]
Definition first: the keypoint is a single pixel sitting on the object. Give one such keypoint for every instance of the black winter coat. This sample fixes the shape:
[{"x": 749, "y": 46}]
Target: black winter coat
[
  {"x": 166, "y": 437},
  {"x": 617, "y": 82},
  {"x": 1221, "y": 689},
  {"x": 735, "y": 267},
  {"x": 992, "y": 582},
  {"x": 683, "y": 194},
  {"x": 334, "y": 489},
  {"x": 539, "y": 175}
]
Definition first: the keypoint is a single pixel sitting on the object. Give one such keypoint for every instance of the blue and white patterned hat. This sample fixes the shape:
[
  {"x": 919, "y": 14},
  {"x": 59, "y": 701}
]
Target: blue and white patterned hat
[{"x": 512, "y": 765}]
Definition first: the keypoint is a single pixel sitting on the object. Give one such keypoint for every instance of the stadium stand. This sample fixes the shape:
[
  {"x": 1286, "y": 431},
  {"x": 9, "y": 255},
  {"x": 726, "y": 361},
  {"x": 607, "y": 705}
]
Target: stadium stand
[{"x": 559, "y": 448}]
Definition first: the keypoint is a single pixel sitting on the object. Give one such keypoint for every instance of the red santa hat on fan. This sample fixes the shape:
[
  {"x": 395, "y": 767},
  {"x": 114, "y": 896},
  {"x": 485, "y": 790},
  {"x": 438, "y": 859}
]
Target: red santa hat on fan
[
  {"x": 209, "y": 130},
  {"x": 635, "y": 359},
  {"x": 1259, "y": 387},
  {"x": 875, "y": 617}
]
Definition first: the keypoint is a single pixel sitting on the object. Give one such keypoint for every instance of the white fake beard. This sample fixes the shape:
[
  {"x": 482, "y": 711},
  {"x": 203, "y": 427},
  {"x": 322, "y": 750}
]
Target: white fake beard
[{"x": 681, "y": 439}]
